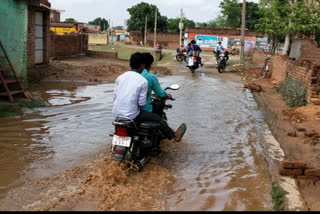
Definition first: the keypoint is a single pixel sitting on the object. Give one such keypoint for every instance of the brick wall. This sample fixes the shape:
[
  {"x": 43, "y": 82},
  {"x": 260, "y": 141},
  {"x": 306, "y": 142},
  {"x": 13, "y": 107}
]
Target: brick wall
[
  {"x": 165, "y": 39},
  {"x": 258, "y": 58},
  {"x": 278, "y": 67},
  {"x": 309, "y": 50},
  {"x": 66, "y": 46},
  {"x": 283, "y": 68}
]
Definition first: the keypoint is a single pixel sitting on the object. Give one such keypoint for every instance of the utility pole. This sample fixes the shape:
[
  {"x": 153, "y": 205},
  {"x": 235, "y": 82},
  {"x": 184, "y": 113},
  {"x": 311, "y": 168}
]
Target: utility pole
[
  {"x": 181, "y": 27},
  {"x": 243, "y": 31},
  {"x": 145, "y": 31},
  {"x": 155, "y": 29}
]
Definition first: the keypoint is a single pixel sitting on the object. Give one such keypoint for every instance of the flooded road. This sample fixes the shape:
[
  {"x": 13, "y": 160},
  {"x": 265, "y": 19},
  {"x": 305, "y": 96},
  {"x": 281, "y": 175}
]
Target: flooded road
[{"x": 218, "y": 166}]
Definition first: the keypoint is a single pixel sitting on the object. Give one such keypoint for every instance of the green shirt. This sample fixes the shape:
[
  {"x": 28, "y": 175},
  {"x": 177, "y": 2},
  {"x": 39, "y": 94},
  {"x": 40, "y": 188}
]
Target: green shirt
[{"x": 153, "y": 85}]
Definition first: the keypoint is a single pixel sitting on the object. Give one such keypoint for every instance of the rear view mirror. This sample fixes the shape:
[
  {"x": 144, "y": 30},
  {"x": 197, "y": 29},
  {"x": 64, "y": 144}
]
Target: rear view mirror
[{"x": 174, "y": 87}]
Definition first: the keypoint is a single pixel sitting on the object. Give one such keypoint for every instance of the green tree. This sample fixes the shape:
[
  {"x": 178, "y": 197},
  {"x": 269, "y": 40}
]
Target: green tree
[
  {"x": 231, "y": 11},
  {"x": 305, "y": 20},
  {"x": 102, "y": 22},
  {"x": 274, "y": 21},
  {"x": 138, "y": 15},
  {"x": 120, "y": 27},
  {"x": 70, "y": 20},
  {"x": 173, "y": 24}
]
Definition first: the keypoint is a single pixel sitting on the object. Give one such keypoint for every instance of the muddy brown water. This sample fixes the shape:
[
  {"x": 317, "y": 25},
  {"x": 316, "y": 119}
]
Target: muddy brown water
[{"x": 218, "y": 166}]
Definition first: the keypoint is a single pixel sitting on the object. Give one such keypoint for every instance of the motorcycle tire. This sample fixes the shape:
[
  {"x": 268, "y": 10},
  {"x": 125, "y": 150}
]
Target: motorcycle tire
[
  {"x": 192, "y": 69},
  {"x": 221, "y": 67},
  {"x": 179, "y": 58},
  {"x": 185, "y": 58}
]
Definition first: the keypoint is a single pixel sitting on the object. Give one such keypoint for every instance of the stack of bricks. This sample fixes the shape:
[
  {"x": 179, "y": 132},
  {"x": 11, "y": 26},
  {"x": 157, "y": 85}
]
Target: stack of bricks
[{"x": 299, "y": 169}]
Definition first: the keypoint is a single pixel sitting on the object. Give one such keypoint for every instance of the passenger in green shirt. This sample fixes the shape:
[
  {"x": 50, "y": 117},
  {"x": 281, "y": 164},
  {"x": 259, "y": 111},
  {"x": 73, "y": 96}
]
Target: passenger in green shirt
[{"x": 153, "y": 83}]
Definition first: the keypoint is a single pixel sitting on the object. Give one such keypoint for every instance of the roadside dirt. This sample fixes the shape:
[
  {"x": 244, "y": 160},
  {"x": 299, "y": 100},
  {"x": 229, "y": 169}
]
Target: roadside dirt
[
  {"x": 290, "y": 128},
  {"x": 90, "y": 69}
]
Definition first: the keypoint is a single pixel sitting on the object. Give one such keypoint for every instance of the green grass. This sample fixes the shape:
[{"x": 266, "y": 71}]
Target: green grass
[
  {"x": 31, "y": 104},
  {"x": 277, "y": 194},
  {"x": 9, "y": 111}
]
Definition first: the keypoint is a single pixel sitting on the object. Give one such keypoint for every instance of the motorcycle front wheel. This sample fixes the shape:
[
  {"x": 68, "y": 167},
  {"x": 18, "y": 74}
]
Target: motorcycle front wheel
[{"x": 221, "y": 67}]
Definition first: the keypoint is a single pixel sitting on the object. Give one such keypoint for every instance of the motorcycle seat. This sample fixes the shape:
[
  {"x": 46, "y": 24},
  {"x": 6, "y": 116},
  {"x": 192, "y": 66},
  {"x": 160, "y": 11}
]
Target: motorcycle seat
[
  {"x": 149, "y": 125},
  {"x": 121, "y": 121}
]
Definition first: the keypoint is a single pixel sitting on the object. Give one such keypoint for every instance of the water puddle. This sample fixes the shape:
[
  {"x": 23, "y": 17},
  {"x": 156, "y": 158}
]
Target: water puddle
[{"x": 218, "y": 166}]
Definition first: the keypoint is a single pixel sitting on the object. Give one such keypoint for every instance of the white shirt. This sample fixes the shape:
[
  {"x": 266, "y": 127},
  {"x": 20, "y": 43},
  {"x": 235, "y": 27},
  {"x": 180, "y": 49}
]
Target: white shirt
[{"x": 130, "y": 92}]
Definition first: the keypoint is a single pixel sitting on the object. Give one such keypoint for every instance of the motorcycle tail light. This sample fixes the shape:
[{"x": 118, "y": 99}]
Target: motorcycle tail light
[
  {"x": 118, "y": 152},
  {"x": 194, "y": 58},
  {"x": 122, "y": 132}
]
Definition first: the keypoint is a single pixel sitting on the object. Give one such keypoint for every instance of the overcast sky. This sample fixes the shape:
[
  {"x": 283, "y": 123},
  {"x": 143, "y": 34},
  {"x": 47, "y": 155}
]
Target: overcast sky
[{"x": 116, "y": 10}]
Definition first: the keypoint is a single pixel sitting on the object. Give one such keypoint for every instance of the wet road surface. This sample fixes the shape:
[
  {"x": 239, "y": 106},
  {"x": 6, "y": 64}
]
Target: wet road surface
[{"x": 218, "y": 166}]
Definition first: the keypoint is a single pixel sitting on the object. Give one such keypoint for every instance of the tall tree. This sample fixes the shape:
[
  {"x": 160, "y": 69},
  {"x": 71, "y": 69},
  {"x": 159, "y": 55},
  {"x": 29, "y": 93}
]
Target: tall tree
[
  {"x": 102, "y": 22},
  {"x": 138, "y": 15},
  {"x": 231, "y": 14},
  {"x": 274, "y": 21},
  {"x": 70, "y": 20}
]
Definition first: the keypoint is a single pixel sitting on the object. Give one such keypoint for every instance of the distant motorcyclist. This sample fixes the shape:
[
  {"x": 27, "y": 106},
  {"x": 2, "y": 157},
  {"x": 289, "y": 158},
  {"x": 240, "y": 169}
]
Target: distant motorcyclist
[
  {"x": 218, "y": 50},
  {"x": 196, "y": 50}
]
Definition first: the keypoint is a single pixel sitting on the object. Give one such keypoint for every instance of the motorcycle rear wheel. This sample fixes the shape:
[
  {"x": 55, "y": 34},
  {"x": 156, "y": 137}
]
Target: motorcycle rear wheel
[{"x": 179, "y": 57}]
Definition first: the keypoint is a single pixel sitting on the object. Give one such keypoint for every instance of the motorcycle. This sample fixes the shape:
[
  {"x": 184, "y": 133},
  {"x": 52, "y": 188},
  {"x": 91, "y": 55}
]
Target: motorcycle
[
  {"x": 180, "y": 55},
  {"x": 222, "y": 61},
  {"x": 134, "y": 143},
  {"x": 193, "y": 63}
]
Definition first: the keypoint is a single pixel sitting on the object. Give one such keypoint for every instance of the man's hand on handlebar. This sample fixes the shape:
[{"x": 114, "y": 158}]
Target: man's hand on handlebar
[{"x": 169, "y": 96}]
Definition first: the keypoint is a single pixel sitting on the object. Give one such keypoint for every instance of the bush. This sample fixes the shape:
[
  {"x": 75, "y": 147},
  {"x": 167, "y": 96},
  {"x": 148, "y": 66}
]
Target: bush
[
  {"x": 277, "y": 194},
  {"x": 293, "y": 93}
]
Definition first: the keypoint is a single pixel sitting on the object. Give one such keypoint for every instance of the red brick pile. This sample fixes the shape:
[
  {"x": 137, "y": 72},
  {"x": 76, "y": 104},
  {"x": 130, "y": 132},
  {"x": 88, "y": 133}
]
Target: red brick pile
[{"x": 299, "y": 169}]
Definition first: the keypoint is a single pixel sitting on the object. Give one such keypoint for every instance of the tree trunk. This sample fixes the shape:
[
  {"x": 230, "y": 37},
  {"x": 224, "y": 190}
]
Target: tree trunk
[{"x": 286, "y": 48}]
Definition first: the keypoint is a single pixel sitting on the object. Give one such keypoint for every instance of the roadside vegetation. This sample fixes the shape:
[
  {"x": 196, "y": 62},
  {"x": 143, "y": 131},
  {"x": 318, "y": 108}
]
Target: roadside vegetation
[
  {"x": 293, "y": 93},
  {"x": 16, "y": 109},
  {"x": 277, "y": 194}
]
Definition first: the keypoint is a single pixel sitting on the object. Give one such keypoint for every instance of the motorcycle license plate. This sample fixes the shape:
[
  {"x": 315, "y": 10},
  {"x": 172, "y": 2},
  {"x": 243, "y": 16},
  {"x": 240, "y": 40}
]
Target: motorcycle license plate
[
  {"x": 190, "y": 63},
  {"x": 121, "y": 141}
]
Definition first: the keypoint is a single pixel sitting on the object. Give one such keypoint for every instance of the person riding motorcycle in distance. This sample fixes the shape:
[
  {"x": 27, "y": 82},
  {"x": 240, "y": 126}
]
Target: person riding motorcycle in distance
[
  {"x": 218, "y": 50},
  {"x": 130, "y": 96},
  {"x": 196, "y": 50}
]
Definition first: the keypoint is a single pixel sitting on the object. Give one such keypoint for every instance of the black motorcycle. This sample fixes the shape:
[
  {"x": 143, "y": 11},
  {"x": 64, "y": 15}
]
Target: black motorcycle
[
  {"x": 193, "y": 63},
  {"x": 134, "y": 144},
  {"x": 222, "y": 61},
  {"x": 180, "y": 55}
]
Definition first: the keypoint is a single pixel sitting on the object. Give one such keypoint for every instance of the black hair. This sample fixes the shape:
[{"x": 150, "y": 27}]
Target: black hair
[
  {"x": 149, "y": 59},
  {"x": 193, "y": 42},
  {"x": 136, "y": 60}
]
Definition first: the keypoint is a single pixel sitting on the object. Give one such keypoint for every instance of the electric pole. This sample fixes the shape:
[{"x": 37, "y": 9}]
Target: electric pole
[
  {"x": 155, "y": 29},
  {"x": 243, "y": 31},
  {"x": 181, "y": 27},
  {"x": 145, "y": 31}
]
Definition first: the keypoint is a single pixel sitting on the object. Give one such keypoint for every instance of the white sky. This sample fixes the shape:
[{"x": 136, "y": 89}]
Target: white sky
[{"x": 116, "y": 10}]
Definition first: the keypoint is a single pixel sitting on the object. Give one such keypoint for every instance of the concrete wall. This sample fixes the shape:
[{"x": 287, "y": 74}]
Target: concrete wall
[
  {"x": 98, "y": 39},
  {"x": 13, "y": 34}
]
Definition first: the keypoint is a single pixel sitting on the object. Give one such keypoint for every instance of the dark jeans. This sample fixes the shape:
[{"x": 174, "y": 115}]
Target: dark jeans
[{"x": 152, "y": 117}]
